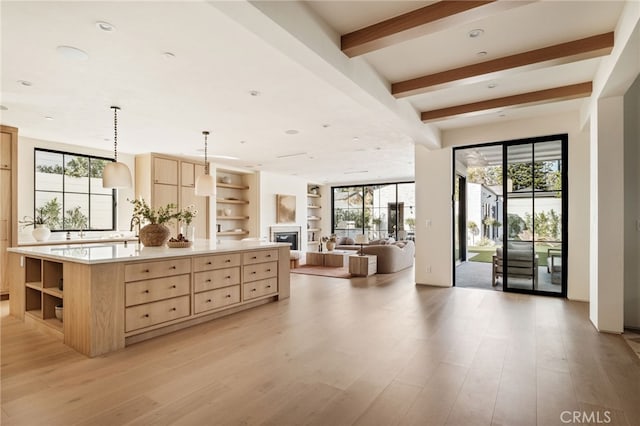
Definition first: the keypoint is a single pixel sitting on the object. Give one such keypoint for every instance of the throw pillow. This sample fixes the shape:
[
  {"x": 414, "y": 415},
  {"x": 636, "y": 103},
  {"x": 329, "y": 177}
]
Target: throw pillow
[{"x": 348, "y": 241}]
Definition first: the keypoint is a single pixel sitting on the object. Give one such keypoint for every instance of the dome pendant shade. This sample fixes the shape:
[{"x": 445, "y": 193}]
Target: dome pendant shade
[
  {"x": 205, "y": 184},
  {"x": 116, "y": 175}
]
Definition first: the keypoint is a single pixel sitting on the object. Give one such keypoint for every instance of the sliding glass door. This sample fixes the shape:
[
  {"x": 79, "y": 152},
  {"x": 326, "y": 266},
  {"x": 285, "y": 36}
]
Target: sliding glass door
[{"x": 535, "y": 207}]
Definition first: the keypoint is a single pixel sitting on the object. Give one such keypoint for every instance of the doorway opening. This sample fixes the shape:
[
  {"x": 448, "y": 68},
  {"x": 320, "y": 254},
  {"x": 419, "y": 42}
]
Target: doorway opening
[{"x": 509, "y": 215}]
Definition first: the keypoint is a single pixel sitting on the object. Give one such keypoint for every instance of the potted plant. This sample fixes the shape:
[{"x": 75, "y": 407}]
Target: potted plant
[
  {"x": 154, "y": 233},
  {"x": 40, "y": 223},
  {"x": 186, "y": 217}
]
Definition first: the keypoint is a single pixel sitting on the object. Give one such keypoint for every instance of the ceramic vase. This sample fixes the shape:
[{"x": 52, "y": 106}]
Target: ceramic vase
[
  {"x": 41, "y": 233},
  {"x": 330, "y": 245},
  {"x": 154, "y": 235}
]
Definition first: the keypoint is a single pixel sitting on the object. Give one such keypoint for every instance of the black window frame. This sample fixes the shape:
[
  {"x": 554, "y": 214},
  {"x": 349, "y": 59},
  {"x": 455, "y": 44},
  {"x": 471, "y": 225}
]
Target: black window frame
[{"x": 63, "y": 192}]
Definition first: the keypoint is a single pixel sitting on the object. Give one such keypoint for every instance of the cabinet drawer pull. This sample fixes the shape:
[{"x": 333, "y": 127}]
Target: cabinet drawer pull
[
  {"x": 209, "y": 263},
  {"x": 173, "y": 309},
  {"x": 268, "y": 255},
  {"x": 208, "y": 300},
  {"x": 228, "y": 277},
  {"x": 253, "y": 289},
  {"x": 227, "y": 261},
  {"x": 146, "y": 291},
  {"x": 228, "y": 295},
  {"x": 146, "y": 270},
  {"x": 253, "y": 273},
  {"x": 268, "y": 286},
  {"x": 145, "y": 316},
  {"x": 208, "y": 280},
  {"x": 173, "y": 267},
  {"x": 254, "y": 257},
  {"x": 269, "y": 270},
  {"x": 173, "y": 286}
]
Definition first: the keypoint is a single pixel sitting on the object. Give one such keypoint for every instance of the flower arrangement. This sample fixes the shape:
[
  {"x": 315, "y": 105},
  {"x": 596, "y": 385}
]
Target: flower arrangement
[
  {"x": 331, "y": 238},
  {"x": 188, "y": 214},
  {"x": 159, "y": 216}
]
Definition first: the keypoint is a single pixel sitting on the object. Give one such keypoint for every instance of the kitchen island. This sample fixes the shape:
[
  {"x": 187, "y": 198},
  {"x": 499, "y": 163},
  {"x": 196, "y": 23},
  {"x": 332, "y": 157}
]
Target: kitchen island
[{"x": 115, "y": 294}]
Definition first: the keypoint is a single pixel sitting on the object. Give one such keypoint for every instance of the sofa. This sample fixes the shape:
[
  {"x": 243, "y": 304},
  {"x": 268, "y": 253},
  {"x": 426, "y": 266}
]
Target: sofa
[
  {"x": 392, "y": 257},
  {"x": 521, "y": 262}
]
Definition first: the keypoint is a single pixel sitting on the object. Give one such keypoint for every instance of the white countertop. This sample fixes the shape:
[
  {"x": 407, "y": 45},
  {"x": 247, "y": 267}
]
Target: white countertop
[{"x": 120, "y": 252}]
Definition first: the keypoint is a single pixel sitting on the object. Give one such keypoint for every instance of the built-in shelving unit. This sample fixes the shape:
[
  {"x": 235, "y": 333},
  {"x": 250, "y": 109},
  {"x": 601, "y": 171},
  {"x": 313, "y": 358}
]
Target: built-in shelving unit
[
  {"x": 232, "y": 204},
  {"x": 44, "y": 291},
  {"x": 314, "y": 221}
]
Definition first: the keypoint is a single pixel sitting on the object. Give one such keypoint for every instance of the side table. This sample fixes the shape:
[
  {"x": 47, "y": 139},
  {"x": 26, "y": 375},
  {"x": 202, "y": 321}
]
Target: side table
[{"x": 363, "y": 266}]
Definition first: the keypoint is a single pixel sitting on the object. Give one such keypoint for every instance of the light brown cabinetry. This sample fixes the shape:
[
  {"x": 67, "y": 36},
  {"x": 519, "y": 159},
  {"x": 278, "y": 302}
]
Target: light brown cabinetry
[
  {"x": 8, "y": 200},
  {"x": 217, "y": 284},
  {"x": 162, "y": 180},
  {"x": 44, "y": 291}
]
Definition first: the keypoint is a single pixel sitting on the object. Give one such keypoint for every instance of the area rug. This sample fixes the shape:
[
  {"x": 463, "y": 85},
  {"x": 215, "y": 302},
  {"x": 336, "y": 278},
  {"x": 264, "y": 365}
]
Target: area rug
[{"x": 325, "y": 271}]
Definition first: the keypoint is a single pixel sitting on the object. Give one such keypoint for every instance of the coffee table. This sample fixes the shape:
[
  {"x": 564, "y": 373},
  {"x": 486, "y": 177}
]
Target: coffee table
[{"x": 334, "y": 258}]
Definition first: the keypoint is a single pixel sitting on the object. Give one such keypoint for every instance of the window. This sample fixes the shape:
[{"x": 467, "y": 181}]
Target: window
[
  {"x": 68, "y": 190},
  {"x": 380, "y": 211}
]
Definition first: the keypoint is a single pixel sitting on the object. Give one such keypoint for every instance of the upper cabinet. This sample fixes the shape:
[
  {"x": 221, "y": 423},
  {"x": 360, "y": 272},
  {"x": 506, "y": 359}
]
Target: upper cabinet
[
  {"x": 5, "y": 150},
  {"x": 163, "y": 179},
  {"x": 8, "y": 200}
]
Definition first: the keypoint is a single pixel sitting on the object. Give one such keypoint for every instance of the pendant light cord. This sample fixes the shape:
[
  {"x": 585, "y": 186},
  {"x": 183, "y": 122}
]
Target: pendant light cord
[
  {"x": 115, "y": 132},
  {"x": 206, "y": 163}
]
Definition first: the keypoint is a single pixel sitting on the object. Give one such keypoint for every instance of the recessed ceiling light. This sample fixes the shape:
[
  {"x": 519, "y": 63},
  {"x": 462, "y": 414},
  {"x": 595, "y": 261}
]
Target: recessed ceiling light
[
  {"x": 107, "y": 139},
  {"x": 254, "y": 93},
  {"x": 48, "y": 117},
  {"x": 356, "y": 139},
  {"x": 482, "y": 53},
  {"x": 325, "y": 125},
  {"x": 25, "y": 83},
  {"x": 492, "y": 85},
  {"x": 243, "y": 142},
  {"x": 105, "y": 26},
  {"x": 292, "y": 132},
  {"x": 476, "y": 33},
  {"x": 168, "y": 55},
  {"x": 297, "y": 154},
  {"x": 3, "y": 108},
  {"x": 311, "y": 157},
  {"x": 72, "y": 53},
  {"x": 502, "y": 114}
]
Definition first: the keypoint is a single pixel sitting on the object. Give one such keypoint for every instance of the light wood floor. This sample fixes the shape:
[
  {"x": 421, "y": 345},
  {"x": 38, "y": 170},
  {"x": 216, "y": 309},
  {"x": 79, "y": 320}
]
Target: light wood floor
[{"x": 369, "y": 352}]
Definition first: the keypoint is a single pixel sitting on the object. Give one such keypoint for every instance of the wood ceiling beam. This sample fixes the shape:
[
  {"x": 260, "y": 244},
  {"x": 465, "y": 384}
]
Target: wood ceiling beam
[
  {"x": 419, "y": 22},
  {"x": 564, "y": 53},
  {"x": 556, "y": 94}
]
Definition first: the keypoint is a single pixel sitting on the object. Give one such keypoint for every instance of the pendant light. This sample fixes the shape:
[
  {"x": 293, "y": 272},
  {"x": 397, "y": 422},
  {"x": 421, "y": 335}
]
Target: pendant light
[
  {"x": 116, "y": 174},
  {"x": 205, "y": 185}
]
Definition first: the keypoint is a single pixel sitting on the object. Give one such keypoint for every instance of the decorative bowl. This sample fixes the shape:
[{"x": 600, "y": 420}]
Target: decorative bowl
[{"x": 179, "y": 244}]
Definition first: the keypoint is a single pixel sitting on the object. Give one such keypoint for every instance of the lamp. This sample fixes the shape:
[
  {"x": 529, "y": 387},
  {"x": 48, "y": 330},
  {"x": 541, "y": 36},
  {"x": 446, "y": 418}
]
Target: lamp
[
  {"x": 361, "y": 239},
  {"x": 205, "y": 185},
  {"x": 116, "y": 174}
]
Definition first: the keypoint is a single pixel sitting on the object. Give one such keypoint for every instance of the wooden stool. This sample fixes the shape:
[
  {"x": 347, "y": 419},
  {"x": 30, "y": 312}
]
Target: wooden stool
[{"x": 294, "y": 259}]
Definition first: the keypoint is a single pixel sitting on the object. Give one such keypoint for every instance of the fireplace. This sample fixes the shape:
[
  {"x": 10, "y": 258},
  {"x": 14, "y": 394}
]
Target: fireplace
[{"x": 286, "y": 234}]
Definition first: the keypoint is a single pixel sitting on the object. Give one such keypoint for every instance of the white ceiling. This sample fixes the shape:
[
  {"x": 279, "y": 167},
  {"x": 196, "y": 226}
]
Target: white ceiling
[{"x": 166, "y": 103}]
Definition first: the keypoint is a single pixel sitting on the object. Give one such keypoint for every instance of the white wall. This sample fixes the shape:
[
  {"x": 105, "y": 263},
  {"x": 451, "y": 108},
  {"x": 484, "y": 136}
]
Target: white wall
[
  {"x": 271, "y": 184},
  {"x": 632, "y": 206},
  {"x": 434, "y": 170},
  {"x": 607, "y": 215},
  {"x": 433, "y": 217},
  {"x": 26, "y": 147}
]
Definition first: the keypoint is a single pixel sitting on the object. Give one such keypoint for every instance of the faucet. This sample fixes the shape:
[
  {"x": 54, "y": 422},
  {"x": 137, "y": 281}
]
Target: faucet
[
  {"x": 135, "y": 220},
  {"x": 81, "y": 233}
]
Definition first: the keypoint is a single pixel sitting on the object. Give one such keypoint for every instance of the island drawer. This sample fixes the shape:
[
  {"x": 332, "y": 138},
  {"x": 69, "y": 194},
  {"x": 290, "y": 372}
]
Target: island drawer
[
  {"x": 259, "y": 256},
  {"x": 156, "y": 289},
  {"x": 154, "y": 313},
  {"x": 260, "y": 288},
  {"x": 164, "y": 268},
  {"x": 260, "y": 271},
  {"x": 218, "y": 298},
  {"x": 206, "y": 263},
  {"x": 210, "y": 280}
]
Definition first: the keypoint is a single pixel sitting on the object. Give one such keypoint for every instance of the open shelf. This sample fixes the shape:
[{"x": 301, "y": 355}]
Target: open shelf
[
  {"x": 313, "y": 195},
  {"x": 232, "y": 217},
  {"x": 232, "y": 233},
  {"x": 36, "y": 285},
  {"x": 313, "y": 207},
  {"x": 53, "y": 291},
  {"x": 231, "y": 186},
  {"x": 225, "y": 201},
  {"x": 314, "y": 229}
]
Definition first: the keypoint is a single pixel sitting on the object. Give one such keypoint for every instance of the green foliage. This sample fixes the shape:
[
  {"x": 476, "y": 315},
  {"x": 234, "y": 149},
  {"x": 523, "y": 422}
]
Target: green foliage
[
  {"x": 489, "y": 176},
  {"x": 75, "y": 219},
  {"x": 161, "y": 215},
  {"x": 410, "y": 222},
  {"x": 76, "y": 167},
  {"x": 56, "y": 170},
  {"x": 546, "y": 226},
  {"x": 48, "y": 215},
  {"x": 344, "y": 215},
  {"x": 485, "y": 242},
  {"x": 515, "y": 225},
  {"x": 545, "y": 177}
]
